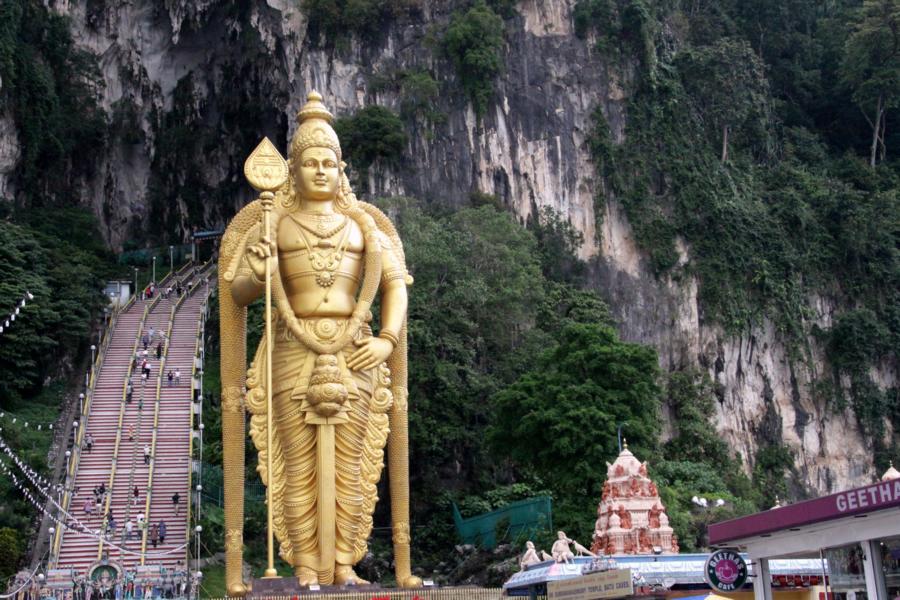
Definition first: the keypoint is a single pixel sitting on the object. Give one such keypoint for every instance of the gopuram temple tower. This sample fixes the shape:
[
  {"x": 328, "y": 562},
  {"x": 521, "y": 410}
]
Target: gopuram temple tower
[{"x": 631, "y": 518}]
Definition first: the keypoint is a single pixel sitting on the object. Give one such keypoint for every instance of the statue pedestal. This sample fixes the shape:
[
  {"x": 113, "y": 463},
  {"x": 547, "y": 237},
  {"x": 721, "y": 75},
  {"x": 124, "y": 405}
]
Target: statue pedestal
[{"x": 286, "y": 588}]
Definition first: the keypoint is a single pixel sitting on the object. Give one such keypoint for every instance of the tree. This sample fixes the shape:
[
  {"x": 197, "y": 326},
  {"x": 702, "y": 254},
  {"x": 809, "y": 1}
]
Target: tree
[
  {"x": 373, "y": 132},
  {"x": 727, "y": 83},
  {"x": 559, "y": 419},
  {"x": 871, "y": 67},
  {"x": 10, "y": 552},
  {"x": 473, "y": 42}
]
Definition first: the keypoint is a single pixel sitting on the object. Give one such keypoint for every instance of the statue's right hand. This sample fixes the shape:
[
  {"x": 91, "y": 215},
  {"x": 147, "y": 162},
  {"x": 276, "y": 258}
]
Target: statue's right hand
[{"x": 258, "y": 253}]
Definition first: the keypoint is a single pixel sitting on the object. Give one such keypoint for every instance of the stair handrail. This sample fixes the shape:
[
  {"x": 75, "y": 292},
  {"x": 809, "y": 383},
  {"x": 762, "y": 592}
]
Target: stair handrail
[
  {"x": 200, "y": 278},
  {"x": 99, "y": 359},
  {"x": 198, "y": 342},
  {"x": 159, "y": 379}
]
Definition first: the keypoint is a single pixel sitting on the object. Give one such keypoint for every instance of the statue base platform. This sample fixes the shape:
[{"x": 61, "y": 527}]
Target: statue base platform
[{"x": 285, "y": 588}]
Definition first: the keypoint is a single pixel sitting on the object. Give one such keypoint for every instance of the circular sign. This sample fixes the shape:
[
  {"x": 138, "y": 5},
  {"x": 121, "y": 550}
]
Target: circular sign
[{"x": 725, "y": 571}]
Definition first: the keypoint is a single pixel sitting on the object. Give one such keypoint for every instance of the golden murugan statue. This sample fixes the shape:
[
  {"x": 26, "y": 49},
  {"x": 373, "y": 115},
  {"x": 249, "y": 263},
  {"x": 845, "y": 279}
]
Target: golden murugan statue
[{"x": 338, "y": 394}]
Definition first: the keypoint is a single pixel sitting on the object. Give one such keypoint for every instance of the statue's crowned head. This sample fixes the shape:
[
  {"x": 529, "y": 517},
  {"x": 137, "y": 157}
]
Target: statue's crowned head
[
  {"x": 315, "y": 129},
  {"x": 315, "y": 154}
]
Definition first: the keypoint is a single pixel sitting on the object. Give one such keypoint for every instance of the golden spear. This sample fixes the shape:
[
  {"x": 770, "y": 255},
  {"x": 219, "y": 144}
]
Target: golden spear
[{"x": 267, "y": 171}]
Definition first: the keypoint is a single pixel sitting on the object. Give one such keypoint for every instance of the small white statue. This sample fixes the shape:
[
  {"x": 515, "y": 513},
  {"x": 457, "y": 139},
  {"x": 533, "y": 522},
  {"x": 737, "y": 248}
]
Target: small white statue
[
  {"x": 614, "y": 521},
  {"x": 530, "y": 557},
  {"x": 560, "y": 550}
]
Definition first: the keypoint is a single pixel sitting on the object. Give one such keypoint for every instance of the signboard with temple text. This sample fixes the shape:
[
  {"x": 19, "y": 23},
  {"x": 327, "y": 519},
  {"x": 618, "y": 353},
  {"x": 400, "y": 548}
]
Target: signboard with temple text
[{"x": 593, "y": 586}]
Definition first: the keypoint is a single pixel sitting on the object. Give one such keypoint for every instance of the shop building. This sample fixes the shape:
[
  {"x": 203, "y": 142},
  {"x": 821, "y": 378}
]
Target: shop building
[{"x": 855, "y": 535}]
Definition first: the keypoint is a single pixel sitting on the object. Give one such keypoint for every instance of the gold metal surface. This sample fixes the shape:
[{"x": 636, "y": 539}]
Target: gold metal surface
[{"x": 321, "y": 389}]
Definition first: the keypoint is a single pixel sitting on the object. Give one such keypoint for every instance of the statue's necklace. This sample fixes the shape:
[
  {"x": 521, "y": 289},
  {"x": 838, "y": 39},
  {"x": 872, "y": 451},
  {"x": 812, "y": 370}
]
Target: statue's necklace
[
  {"x": 326, "y": 258},
  {"x": 325, "y": 226}
]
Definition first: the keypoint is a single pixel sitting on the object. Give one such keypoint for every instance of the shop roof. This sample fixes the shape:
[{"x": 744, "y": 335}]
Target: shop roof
[{"x": 858, "y": 501}]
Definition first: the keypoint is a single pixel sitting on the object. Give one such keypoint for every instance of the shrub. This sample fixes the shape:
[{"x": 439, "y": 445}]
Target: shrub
[
  {"x": 473, "y": 42},
  {"x": 373, "y": 133}
]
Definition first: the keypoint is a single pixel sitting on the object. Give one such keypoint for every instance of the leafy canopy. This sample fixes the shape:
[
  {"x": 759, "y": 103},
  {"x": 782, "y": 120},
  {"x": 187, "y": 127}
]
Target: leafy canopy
[
  {"x": 560, "y": 417},
  {"x": 473, "y": 42}
]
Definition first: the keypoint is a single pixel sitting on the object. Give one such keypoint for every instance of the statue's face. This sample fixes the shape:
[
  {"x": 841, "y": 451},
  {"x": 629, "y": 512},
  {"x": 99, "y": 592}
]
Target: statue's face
[{"x": 316, "y": 174}]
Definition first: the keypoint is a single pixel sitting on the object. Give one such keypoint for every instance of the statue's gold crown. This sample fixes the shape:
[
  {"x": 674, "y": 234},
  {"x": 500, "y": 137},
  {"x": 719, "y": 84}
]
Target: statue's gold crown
[{"x": 315, "y": 129}]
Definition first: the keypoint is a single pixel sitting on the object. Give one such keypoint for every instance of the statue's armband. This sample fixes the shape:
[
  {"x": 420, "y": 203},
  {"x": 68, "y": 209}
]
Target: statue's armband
[{"x": 393, "y": 268}]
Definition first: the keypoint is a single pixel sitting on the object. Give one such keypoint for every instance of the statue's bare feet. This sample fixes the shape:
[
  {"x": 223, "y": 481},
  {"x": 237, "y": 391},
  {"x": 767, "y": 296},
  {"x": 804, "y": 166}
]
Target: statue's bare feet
[
  {"x": 236, "y": 590},
  {"x": 344, "y": 575},
  {"x": 409, "y": 581},
  {"x": 306, "y": 576}
]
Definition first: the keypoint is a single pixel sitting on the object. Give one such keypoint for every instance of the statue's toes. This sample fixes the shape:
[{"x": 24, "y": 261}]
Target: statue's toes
[
  {"x": 410, "y": 581},
  {"x": 306, "y": 576},
  {"x": 237, "y": 590}
]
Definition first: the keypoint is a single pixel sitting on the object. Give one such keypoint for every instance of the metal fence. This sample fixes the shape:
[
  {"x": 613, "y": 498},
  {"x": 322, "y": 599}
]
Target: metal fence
[
  {"x": 213, "y": 487},
  {"x": 460, "y": 593},
  {"x": 512, "y": 523}
]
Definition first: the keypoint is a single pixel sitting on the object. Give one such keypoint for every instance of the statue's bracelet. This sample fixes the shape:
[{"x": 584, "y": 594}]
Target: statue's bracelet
[{"x": 387, "y": 335}]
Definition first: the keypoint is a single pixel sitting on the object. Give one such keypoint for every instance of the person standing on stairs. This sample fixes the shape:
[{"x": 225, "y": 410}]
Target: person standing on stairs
[
  {"x": 162, "y": 532},
  {"x": 176, "y": 499},
  {"x": 146, "y": 454},
  {"x": 158, "y": 350},
  {"x": 177, "y": 376},
  {"x": 129, "y": 529},
  {"x": 137, "y": 495},
  {"x": 89, "y": 442},
  {"x": 154, "y": 534}
]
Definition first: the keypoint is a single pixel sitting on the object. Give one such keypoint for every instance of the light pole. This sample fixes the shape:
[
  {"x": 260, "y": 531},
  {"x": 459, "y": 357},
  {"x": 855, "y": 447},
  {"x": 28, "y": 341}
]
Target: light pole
[
  {"x": 93, "y": 354},
  {"x": 81, "y": 403},
  {"x": 198, "y": 529},
  {"x": 135, "y": 283},
  {"x": 705, "y": 507},
  {"x": 154, "y": 269},
  {"x": 172, "y": 259}
]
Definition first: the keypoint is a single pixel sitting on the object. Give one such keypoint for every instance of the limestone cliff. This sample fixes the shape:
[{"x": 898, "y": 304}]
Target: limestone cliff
[{"x": 180, "y": 63}]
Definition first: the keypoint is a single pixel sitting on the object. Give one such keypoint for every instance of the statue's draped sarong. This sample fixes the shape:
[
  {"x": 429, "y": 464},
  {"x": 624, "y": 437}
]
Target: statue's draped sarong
[{"x": 358, "y": 452}]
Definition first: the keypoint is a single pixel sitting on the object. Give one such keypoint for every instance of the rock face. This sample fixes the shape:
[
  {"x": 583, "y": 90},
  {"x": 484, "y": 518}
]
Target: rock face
[{"x": 182, "y": 63}]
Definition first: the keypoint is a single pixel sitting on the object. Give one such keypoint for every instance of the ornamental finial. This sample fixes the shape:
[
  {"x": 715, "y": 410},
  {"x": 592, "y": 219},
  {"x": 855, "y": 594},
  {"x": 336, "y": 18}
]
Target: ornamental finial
[
  {"x": 314, "y": 109},
  {"x": 315, "y": 128}
]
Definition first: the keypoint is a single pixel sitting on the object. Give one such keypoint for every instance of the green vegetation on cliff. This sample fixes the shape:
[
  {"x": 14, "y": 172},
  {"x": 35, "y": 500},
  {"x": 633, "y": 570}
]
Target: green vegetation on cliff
[
  {"x": 372, "y": 133},
  {"x": 51, "y": 88},
  {"x": 473, "y": 42},
  {"x": 333, "y": 21},
  {"x": 746, "y": 143}
]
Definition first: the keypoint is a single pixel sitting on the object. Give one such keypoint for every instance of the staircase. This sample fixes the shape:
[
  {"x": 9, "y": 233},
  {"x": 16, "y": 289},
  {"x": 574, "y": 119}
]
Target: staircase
[{"x": 161, "y": 417}]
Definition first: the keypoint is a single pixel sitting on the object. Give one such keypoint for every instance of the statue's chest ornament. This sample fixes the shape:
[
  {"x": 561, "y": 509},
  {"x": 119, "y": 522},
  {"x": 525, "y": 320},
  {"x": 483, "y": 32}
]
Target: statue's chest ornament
[{"x": 324, "y": 255}]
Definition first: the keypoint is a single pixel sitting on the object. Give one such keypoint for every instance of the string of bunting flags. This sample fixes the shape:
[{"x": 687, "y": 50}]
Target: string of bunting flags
[
  {"x": 9, "y": 418},
  {"x": 12, "y": 316},
  {"x": 38, "y": 481},
  {"x": 68, "y": 521}
]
